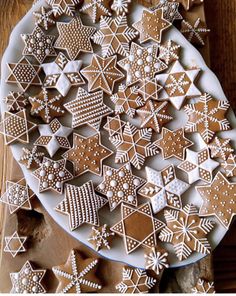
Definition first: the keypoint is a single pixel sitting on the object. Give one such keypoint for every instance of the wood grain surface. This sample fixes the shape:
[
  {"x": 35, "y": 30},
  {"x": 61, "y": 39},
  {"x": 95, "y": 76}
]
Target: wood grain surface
[{"x": 220, "y": 16}]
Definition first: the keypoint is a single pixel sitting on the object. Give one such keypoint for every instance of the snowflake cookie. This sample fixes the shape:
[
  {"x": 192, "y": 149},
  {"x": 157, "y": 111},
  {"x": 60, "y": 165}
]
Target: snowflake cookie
[
  {"x": 129, "y": 227},
  {"x": 16, "y": 127},
  {"x": 204, "y": 287},
  {"x": 156, "y": 260},
  {"x": 220, "y": 148},
  {"x": 38, "y": 45},
  {"x": 14, "y": 244},
  {"x": 186, "y": 231},
  {"x": 119, "y": 186},
  {"x": 27, "y": 280},
  {"x": 219, "y": 199},
  {"x": 207, "y": 117},
  {"x": 101, "y": 237},
  {"x": 52, "y": 175},
  {"x": 62, "y": 74},
  {"x": 16, "y": 101},
  {"x": 44, "y": 18},
  {"x": 96, "y": 9},
  {"x": 169, "y": 52},
  {"x": 31, "y": 158},
  {"x": 87, "y": 154},
  {"x": 229, "y": 166},
  {"x": 178, "y": 84},
  {"x": 60, "y": 7},
  {"x": 149, "y": 89},
  {"x": 170, "y": 10},
  {"x": 120, "y": 6},
  {"x": 77, "y": 275},
  {"x": 81, "y": 204},
  {"x": 135, "y": 280},
  {"x": 163, "y": 189}
]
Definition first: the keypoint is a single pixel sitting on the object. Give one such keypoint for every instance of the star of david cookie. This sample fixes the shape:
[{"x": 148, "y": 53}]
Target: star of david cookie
[
  {"x": 14, "y": 244},
  {"x": 229, "y": 165},
  {"x": 101, "y": 237},
  {"x": 149, "y": 89},
  {"x": 60, "y": 7},
  {"x": 120, "y": 186},
  {"x": 16, "y": 101},
  {"x": 96, "y": 9},
  {"x": 114, "y": 125},
  {"x": 44, "y": 18},
  {"x": 31, "y": 158}
]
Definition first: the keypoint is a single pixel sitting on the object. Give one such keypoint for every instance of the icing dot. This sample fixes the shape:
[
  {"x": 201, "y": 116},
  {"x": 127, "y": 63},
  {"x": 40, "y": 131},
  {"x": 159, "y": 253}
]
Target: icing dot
[
  {"x": 113, "y": 183},
  {"x": 61, "y": 174},
  {"x": 47, "y": 163},
  {"x": 51, "y": 176},
  {"x": 149, "y": 59},
  {"x": 147, "y": 69},
  {"x": 56, "y": 165},
  {"x": 126, "y": 186},
  {"x": 24, "y": 281},
  {"x": 34, "y": 289},
  {"x": 131, "y": 58},
  {"x": 139, "y": 52},
  {"x": 140, "y": 62},
  {"x": 35, "y": 278},
  {"x": 130, "y": 198},
  {"x": 138, "y": 74},
  {"x": 109, "y": 173},
  {"x": 58, "y": 184},
  {"x": 120, "y": 193},
  {"x": 109, "y": 194},
  {"x": 150, "y": 50},
  {"x": 45, "y": 184},
  {"x": 121, "y": 174},
  {"x": 102, "y": 186},
  {"x": 136, "y": 182},
  {"x": 114, "y": 204}
]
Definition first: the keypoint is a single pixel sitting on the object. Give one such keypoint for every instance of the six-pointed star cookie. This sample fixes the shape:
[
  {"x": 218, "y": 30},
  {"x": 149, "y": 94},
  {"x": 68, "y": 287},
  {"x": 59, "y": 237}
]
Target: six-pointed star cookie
[
  {"x": 151, "y": 25},
  {"x": 74, "y": 37},
  {"x": 17, "y": 196},
  {"x": 219, "y": 199},
  {"x": 173, "y": 143},
  {"x": 186, "y": 231},
  {"x": 154, "y": 115},
  {"x": 52, "y": 175},
  {"x": 129, "y": 227},
  {"x": 102, "y": 74},
  {"x": 44, "y": 18},
  {"x": 96, "y": 9},
  {"x": 134, "y": 145},
  {"x": 16, "y": 127},
  {"x": 53, "y": 136},
  {"x": 198, "y": 165},
  {"x": 60, "y": 7},
  {"x": 149, "y": 89},
  {"x": 31, "y": 158},
  {"x": 87, "y": 154},
  {"x": 169, "y": 52},
  {"x": 127, "y": 100},
  {"x": 114, "y": 125},
  {"x": 114, "y": 36},
  {"x": 170, "y": 10},
  {"x": 141, "y": 63},
  {"x": 16, "y": 101},
  {"x": 87, "y": 108},
  {"x": 46, "y": 105},
  {"x": 220, "y": 148},
  {"x": 229, "y": 165},
  {"x": 62, "y": 74},
  {"x": 120, "y": 186},
  {"x": 38, "y": 44},
  {"x": 163, "y": 189},
  {"x": 77, "y": 275},
  {"x": 14, "y": 244},
  {"x": 81, "y": 204},
  {"x": 120, "y": 6},
  {"x": 178, "y": 84},
  {"x": 27, "y": 280},
  {"x": 24, "y": 74},
  {"x": 207, "y": 117}
]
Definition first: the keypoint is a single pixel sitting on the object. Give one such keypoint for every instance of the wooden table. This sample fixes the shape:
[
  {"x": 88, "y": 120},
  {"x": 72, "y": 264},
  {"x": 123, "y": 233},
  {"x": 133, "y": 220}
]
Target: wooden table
[{"x": 220, "y": 15}]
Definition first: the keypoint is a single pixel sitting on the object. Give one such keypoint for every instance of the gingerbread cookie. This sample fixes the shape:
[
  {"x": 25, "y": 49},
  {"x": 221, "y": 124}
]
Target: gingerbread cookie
[
  {"x": 120, "y": 6},
  {"x": 52, "y": 175},
  {"x": 220, "y": 148},
  {"x": 77, "y": 275},
  {"x": 229, "y": 166},
  {"x": 170, "y": 10},
  {"x": 87, "y": 154},
  {"x": 219, "y": 199},
  {"x": 60, "y": 7},
  {"x": 151, "y": 25},
  {"x": 114, "y": 125},
  {"x": 102, "y": 74},
  {"x": 81, "y": 204},
  {"x": 173, "y": 143},
  {"x": 44, "y": 18},
  {"x": 46, "y": 105},
  {"x": 204, "y": 287},
  {"x": 16, "y": 101},
  {"x": 87, "y": 108},
  {"x": 169, "y": 52},
  {"x": 101, "y": 237},
  {"x": 156, "y": 260},
  {"x": 120, "y": 186},
  {"x": 31, "y": 158},
  {"x": 129, "y": 227},
  {"x": 96, "y": 9},
  {"x": 14, "y": 244},
  {"x": 186, "y": 231},
  {"x": 163, "y": 189},
  {"x": 149, "y": 89},
  {"x": 200, "y": 121},
  {"x": 16, "y": 127}
]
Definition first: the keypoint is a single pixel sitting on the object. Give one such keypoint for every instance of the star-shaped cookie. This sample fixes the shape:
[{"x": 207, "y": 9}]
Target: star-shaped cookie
[
  {"x": 53, "y": 136},
  {"x": 163, "y": 189},
  {"x": 16, "y": 127},
  {"x": 81, "y": 204},
  {"x": 102, "y": 74},
  {"x": 154, "y": 115},
  {"x": 87, "y": 154},
  {"x": 77, "y": 275},
  {"x": 129, "y": 227},
  {"x": 31, "y": 158},
  {"x": 74, "y": 37},
  {"x": 173, "y": 143},
  {"x": 101, "y": 237},
  {"x": 44, "y": 18},
  {"x": 24, "y": 74},
  {"x": 38, "y": 45},
  {"x": 207, "y": 117},
  {"x": 60, "y": 7},
  {"x": 52, "y": 174},
  {"x": 151, "y": 25},
  {"x": 220, "y": 148},
  {"x": 169, "y": 52},
  {"x": 87, "y": 108},
  {"x": 16, "y": 101},
  {"x": 149, "y": 89},
  {"x": 14, "y": 244},
  {"x": 229, "y": 166},
  {"x": 127, "y": 100},
  {"x": 62, "y": 74},
  {"x": 198, "y": 165},
  {"x": 96, "y": 9},
  {"x": 120, "y": 6},
  {"x": 141, "y": 63},
  {"x": 134, "y": 145},
  {"x": 178, "y": 84},
  {"x": 186, "y": 231},
  {"x": 219, "y": 199},
  {"x": 27, "y": 280},
  {"x": 114, "y": 125},
  {"x": 46, "y": 105},
  {"x": 114, "y": 36},
  {"x": 17, "y": 196},
  {"x": 119, "y": 186},
  {"x": 170, "y": 10}
]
